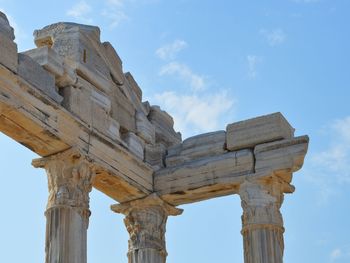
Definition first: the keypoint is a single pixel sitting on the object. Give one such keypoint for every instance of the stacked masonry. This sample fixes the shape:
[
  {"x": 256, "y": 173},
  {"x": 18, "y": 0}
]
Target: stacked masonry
[{"x": 69, "y": 101}]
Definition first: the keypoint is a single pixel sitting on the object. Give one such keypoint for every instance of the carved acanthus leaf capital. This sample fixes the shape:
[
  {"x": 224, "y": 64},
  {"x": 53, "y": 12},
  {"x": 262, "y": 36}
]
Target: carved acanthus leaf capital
[
  {"x": 261, "y": 202},
  {"x": 146, "y": 222},
  {"x": 70, "y": 177}
]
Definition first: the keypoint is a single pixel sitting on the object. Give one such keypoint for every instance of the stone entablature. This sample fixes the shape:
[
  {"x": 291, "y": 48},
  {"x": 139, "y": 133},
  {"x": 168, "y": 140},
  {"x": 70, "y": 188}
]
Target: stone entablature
[{"x": 69, "y": 101}]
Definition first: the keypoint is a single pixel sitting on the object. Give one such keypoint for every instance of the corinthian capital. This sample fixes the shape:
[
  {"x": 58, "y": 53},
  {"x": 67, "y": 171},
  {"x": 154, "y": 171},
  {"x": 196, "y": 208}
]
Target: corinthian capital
[
  {"x": 261, "y": 202},
  {"x": 69, "y": 179}
]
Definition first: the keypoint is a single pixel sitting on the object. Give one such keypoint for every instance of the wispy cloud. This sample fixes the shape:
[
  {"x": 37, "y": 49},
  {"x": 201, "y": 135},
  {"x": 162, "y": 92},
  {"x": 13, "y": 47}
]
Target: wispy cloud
[
  {"x": 169, "y": 51},
  {"x": 335, "y": 254},
  {"x": 80, "y": 11},
  {"x": 274, "y": 37},
  {"x": 184, "y": 72},
  {"x": 340, "y": 253},
  {"x": 115, "y": 17},
  {"x": 336, "y": 158},
  {"x": 115, "y": 12},
  {"x": 329, "y": 169},
  {"x": 253, "y": 61},
  {"x": 196, "y": 112}
]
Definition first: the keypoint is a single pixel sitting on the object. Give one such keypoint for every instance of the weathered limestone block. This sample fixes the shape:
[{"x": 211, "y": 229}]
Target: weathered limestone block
[
  {"x": 144, "y": 128},
  {"x": 247, "y": 134},
  {"x": 216, "y": 170},
  {"x": 53, "y": 63},
  {"x": 200, "y": 146},
  {"x": 147, "y": 107},
  {"x": 114, "y": 62},
  {"x": 262, "y": 223},
  {"x": 133, "y": 92},
  {"x": 164, "y": 125},
  {"x": 92, "y": 107},
  {"x": 70, "y": 178},
  {"x": 282, "y": 157},
  {"x": 123, "y": 110},
  {"x": 33, "y": 73},
  {"x": 134, "y": 86},
  {"x": 145, "y": 220},
  {"x": 5, "y": 28},
  {"x": 135, "y": 144},
  {"x": 81, "y": 45},
  {"x": 155, "y": 155},
  {"x": 8, "y": 54}
]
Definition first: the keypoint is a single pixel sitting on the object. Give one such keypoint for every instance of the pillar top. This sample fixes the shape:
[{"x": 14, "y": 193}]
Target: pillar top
[
  {"x": 72, "y": 154},
  {"x": 149, "y": 201}
]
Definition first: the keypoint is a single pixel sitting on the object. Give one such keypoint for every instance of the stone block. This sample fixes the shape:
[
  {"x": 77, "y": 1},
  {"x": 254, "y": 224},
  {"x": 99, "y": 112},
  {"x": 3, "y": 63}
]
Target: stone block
[
  {"x": 147, "y": 107},
  {"x": 114, "y": 63},
  {"x": 164, "y": 123},
  {"x": 8, "y": 54},
  {"x": 92, "y": 107},
  {"x": 55, "y": 64},
  {"x": 284, "y": 156},
  {"x": 247, "y": 134},
  {"x": 5, "y": 29},
  {"x": 123, "y": 110},
  {"x": 144, "y": 128},
  {"x": 113, "y": 129},
  {"x": 81, "y": 45},
  {"x": 207, "y": 172},
  {"x": 154, "y": 155},
  {"x": 34, "y": 74},
  {"x": 48, "y": 59},
  {"x": 135, "y": 144},
  {"x": 197, "y": 147},
  {"x": 134, "y": 86}
]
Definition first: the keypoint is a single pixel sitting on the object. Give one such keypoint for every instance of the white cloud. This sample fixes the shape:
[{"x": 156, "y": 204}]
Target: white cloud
[
  {"x": 196, "y": 113},
  {"x": 336, "y": 158},
  {"x": 115, "y": 16},
  {"x": 274, "y": 37},
  {"x": 253, "y": 62},
  {"x": 329, "y": 169},
  {"x": 342, "y": 252},
  {"x": 80, "y": 11},
  {"x": 115, "y": 13},
  {"x": 169, "y": 51},
  {"x": 335, "y": 254},
  {"x": 196, "y": 82}
]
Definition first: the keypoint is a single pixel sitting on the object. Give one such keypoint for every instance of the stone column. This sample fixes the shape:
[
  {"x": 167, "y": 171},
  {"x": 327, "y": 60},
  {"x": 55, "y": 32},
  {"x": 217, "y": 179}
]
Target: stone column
[
  {"x": 146, "y": 222},
  {"x": 67, "y": 214},
  {"x": 262, "y": 221}
]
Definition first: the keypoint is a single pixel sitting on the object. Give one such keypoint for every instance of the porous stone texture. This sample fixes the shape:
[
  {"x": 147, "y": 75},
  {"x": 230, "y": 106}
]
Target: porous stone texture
[
  {"x": 164, "y": 125},
  {"x": 8, "y": 54},
  {"x": 32, "y": 72},
  {"x": 268, "y": 128},
  {"x": 197, "y": 147}
]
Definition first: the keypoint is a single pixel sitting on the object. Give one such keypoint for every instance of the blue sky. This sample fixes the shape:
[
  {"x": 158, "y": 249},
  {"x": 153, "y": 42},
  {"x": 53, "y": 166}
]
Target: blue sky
[{"x": 209, "y": 63}]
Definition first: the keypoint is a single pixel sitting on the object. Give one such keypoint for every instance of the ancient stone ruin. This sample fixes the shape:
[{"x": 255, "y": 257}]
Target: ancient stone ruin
[{"x": 69, "y": 101}]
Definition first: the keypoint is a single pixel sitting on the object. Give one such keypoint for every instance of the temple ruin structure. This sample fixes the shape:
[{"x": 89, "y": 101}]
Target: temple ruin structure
[{"x": 69, "y": 101}]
